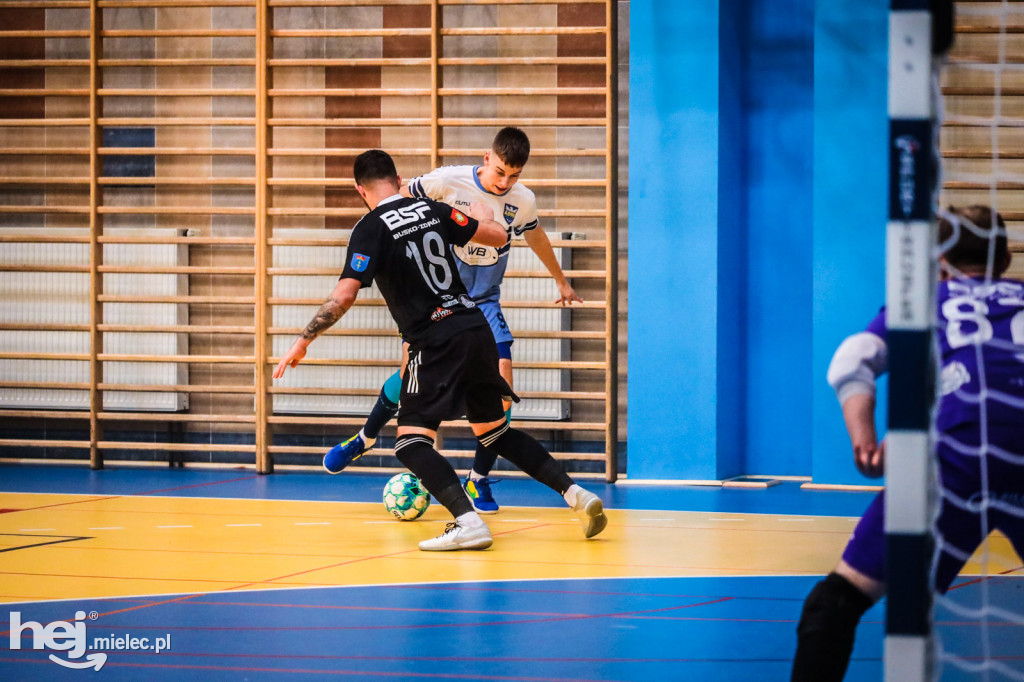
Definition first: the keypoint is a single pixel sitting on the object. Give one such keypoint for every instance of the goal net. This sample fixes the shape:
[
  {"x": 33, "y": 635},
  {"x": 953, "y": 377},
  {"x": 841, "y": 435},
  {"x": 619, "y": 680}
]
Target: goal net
[{"x": 955, "y": 459}]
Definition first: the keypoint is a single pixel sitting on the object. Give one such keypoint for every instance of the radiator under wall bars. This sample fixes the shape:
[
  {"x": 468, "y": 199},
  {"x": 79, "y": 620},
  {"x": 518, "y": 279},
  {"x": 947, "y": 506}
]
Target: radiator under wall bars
[
  {"x": 63, "y": 298},
  {"x": 390, "y": 348}
]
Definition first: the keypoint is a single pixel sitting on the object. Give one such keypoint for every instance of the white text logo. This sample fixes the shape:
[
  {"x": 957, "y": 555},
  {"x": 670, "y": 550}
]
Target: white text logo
[{"x": 71, "y": 637}]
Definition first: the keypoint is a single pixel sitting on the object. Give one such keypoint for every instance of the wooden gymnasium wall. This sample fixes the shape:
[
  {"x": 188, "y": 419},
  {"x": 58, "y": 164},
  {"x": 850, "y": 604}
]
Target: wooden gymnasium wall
[
  {"x": 968, "y": 135},
  {"x": 228, "y": 128}
]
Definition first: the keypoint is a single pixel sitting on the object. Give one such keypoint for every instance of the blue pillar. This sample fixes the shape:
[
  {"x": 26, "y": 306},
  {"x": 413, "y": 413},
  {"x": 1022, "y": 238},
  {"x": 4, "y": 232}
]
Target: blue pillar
[
  {"x": 780, "y": 175},
  {"x": 850, "y": 202},
  {"x": 687, "y": 235}
]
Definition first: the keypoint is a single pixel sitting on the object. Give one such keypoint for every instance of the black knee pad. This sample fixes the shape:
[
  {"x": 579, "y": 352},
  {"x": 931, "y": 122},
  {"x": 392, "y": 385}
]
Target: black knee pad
[
  {"x": 827, "y": 629},
  {"x": 834, "y": 602}
]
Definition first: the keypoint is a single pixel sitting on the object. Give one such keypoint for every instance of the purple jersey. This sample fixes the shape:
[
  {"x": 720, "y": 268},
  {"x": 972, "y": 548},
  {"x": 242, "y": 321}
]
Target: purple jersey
[{"x": 980, "y": 326}]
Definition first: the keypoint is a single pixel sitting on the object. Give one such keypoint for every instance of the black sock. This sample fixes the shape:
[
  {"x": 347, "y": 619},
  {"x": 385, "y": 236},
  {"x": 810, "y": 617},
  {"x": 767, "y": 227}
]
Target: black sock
[
  {"x": 484, "y": 459},
  {"x": 382, "y": 412},
  {"x": 526, "y": 453},
  {"x": 826, "y": 631},
  {"x": 417, "y": 453}
]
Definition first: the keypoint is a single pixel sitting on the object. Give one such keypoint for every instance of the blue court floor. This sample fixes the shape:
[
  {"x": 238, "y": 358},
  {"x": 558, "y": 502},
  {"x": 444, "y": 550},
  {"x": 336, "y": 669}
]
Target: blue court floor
[{"x": 727, "y": 627}]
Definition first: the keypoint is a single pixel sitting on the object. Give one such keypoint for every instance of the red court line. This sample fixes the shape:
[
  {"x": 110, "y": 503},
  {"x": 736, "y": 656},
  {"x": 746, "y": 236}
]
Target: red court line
[
  {"x": 499, "y": 588},
  {"x": 314, "y": 671},
  {"x": 474, "y": 659},
  {"x": 130, "y": 510},
  {"x": 208, "y": 552},
  {"x": 747, "y": 572},
  {"x": 64, "y": 504},
  {"x": 195, "y": 485},
  {"x": 983, "y": 578},
  {"x": 425, "y": 626},
  {"x": 132, "y": 608},
  {"x": 542, "y": 617},
  {"x": 274, "y": 581},
  {"x": 402, "y": 609},
  {"x": 116, "y": 497},
  {"x": 461, "y": 659},
  {"x": 977, "y": 623},
  {"x": 130, "y": 577}
]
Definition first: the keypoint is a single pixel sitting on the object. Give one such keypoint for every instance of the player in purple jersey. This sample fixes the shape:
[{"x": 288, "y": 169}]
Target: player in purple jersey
[
  {"x": 403, "y": 245},
  {"x": 979, "y": 429}
]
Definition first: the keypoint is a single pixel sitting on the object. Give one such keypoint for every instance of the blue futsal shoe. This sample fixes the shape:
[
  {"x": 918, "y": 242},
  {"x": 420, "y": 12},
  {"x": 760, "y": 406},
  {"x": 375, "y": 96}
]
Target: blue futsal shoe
[
  {"x": 479, "y": 492},
  {"x": 343, "y": 454}
]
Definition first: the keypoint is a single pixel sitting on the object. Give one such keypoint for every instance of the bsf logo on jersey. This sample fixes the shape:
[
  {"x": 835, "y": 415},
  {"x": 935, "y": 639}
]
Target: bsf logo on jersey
[
  {"x": 359, "y": 262},
  {"x": 400, "y": 217},
  {"x": 459, "y": 217},
  {"x": 510, "y": 213}
]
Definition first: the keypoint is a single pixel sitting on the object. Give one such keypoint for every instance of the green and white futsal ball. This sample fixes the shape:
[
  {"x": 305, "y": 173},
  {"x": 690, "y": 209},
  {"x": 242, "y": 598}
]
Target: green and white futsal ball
[{"x": 405, "y": 497}]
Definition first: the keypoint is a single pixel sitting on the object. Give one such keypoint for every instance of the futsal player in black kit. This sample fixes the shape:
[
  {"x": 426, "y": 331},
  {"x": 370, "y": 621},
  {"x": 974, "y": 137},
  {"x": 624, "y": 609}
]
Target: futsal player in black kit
[{"x": 404, "y": 245}]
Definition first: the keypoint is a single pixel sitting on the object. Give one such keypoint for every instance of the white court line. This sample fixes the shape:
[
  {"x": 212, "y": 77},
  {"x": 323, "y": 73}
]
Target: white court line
[
  {"x": 312, "y": 523},
  {"x": 240, "y": 525},
  {"x": 34, "y": 530},
  {"x": 108, "y": 528},
  {"x": 174, "y": 526}
]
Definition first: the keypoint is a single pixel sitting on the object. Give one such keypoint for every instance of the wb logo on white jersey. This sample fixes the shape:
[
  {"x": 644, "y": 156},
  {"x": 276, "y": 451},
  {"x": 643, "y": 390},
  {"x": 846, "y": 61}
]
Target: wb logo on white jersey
[
  {"x": 476, "y": 254},
  {"x": 400, "y": 217}
]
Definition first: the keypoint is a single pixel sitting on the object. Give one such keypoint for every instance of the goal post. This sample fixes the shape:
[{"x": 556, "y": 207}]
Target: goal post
[{"x": 918, "y": 29}]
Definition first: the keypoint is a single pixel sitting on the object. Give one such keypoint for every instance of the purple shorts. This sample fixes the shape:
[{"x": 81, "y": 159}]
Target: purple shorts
[{"x": 956, "y": 527}]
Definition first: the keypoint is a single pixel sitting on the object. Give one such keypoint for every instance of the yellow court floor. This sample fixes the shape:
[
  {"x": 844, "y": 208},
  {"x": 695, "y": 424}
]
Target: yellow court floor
[
  {"x": 63, "y": 546},
  {"x": 58, "y": 546}
]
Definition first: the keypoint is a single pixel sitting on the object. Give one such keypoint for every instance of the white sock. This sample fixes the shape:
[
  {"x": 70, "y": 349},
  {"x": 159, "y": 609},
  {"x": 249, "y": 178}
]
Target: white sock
[
  {"x": 570, "y": 494},
  {"x": 474, "y": 476},
  {"x": 367, "y": 441},
  {"x": 469, "y": 520}
]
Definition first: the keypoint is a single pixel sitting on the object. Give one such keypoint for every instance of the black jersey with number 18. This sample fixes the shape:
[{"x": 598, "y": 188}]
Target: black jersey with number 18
[{"x": 404, "y": 246}]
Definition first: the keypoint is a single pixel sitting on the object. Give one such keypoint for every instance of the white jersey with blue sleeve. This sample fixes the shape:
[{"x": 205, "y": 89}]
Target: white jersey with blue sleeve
[{"x": 481, "y": 267}]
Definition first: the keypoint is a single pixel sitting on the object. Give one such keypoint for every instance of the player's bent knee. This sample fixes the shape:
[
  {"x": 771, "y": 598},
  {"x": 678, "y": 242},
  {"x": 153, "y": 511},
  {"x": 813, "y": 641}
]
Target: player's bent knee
[
  {"x": 393, "y": 387},
  {"x": 833, "y": 600},
  {"x": 827, "y": 628}
]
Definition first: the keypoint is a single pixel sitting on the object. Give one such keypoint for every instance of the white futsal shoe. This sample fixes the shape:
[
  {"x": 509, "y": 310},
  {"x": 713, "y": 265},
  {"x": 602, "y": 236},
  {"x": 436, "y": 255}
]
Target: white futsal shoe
[
  {"x": 459, "y": 537},
  {"x": 590, "y": 509}
]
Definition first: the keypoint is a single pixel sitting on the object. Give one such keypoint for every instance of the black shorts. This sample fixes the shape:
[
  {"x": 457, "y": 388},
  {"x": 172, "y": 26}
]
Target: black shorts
[{"x": 459, "y": 377}]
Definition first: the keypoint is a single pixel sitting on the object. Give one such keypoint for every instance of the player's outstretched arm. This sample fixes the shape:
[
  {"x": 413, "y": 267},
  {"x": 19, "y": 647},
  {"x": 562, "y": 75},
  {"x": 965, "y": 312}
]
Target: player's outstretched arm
[
  {"x": 538, "y": 240},
  {"x": 340, "y": 300}
]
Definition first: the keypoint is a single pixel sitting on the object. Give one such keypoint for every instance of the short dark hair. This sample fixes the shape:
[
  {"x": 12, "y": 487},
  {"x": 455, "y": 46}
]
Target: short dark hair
[
  {"x": 374, "y": 165},
  {"x": 512, "y": 146},
  {"x": 971, "y": 246}
]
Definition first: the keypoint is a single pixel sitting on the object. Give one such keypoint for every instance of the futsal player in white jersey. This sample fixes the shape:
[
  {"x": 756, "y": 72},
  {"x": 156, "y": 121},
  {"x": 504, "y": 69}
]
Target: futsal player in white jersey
[{"x": 494, "y": 184}]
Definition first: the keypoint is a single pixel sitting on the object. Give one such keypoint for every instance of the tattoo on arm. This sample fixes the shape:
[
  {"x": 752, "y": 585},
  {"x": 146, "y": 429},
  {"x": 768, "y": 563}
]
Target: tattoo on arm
[{"x": 329, "y": 313}]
